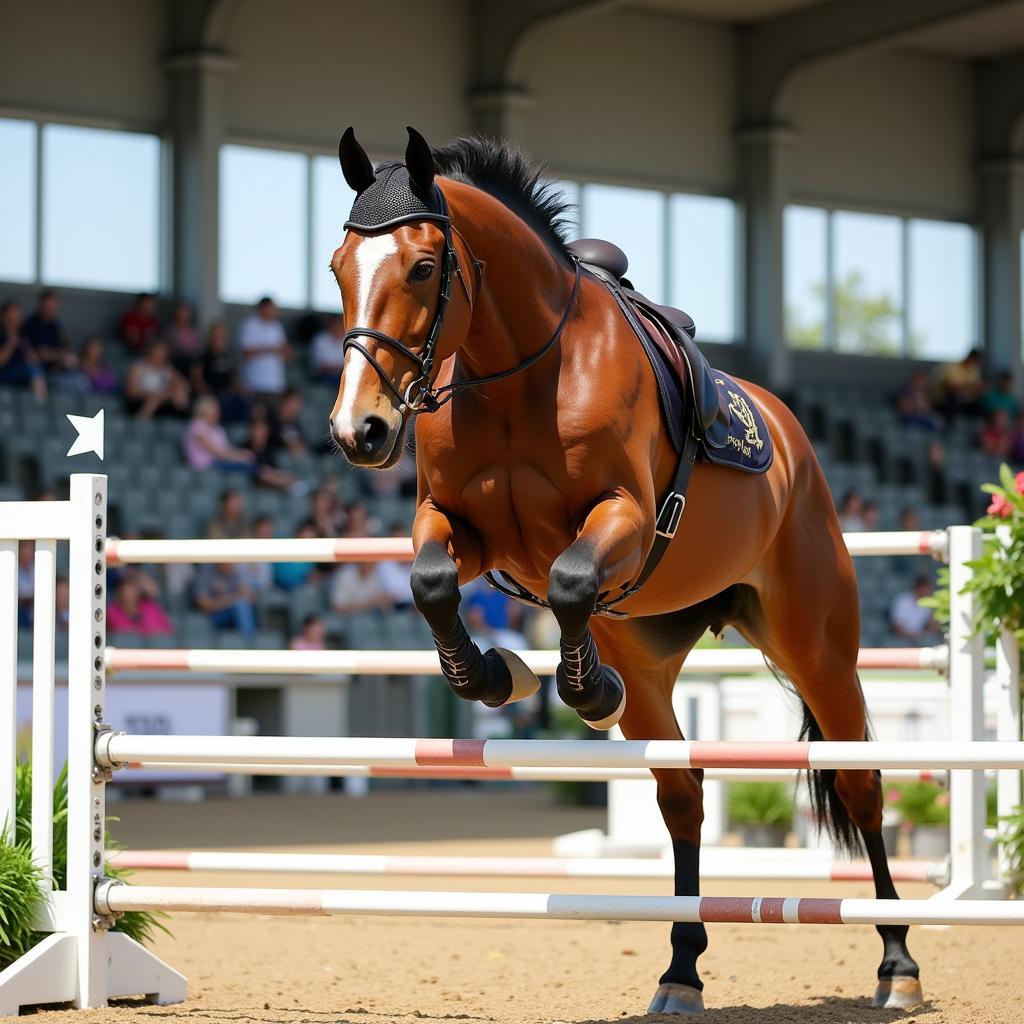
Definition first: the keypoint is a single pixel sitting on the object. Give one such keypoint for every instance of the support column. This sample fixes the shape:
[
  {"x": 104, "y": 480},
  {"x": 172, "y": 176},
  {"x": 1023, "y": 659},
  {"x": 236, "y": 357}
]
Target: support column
[
  {"x": 764, "y": 151},
  {"x": 198, "y": 110},
  {"x": 497, "y": 110},
  {"x": 1001, "y": 205}
]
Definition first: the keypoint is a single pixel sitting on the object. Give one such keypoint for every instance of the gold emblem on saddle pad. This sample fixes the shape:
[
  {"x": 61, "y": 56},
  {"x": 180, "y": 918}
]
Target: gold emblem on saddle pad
[{"x": 742, "y": 411}]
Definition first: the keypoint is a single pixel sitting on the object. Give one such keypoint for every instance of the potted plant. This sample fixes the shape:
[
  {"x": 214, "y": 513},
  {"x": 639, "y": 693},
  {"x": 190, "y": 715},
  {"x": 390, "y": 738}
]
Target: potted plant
[
  {"x": 923, "y": 808},
  {"x": 1011, "y": 844},
  {"x": 763, "y": 812}
]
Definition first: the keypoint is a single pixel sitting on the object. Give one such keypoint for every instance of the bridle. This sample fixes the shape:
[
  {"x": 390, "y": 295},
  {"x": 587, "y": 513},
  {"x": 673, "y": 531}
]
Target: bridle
[{"x": 421, "y": 395}]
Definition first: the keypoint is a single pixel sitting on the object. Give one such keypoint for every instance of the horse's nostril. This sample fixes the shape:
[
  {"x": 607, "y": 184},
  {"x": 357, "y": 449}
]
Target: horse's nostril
[{"x": 373, "y": 434}]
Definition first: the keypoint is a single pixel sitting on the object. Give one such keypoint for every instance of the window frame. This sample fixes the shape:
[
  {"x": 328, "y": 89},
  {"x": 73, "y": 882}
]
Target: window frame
[{"x": 164, "y": 213}]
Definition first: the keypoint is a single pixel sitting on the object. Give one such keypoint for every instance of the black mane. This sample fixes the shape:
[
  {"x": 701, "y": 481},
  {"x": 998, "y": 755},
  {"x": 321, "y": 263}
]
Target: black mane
[{"x": 504, "y": 171}]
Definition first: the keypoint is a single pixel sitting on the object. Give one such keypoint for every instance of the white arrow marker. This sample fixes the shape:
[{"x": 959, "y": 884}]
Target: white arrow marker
[{"x": 90, "y": 434}]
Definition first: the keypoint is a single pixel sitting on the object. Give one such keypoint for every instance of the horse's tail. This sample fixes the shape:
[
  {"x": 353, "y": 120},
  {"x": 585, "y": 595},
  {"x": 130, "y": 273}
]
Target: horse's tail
[{"x": 827, "y": 807}]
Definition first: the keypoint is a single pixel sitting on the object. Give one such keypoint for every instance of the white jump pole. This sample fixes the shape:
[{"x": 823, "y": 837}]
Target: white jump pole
[
  {"x": 749, "y": 865},
  {"x": 44, "y": 643},
  {"x": 116, "y": 897},
  {"x": 8, "y": 682},
  {"x": 236, "y": 753}
]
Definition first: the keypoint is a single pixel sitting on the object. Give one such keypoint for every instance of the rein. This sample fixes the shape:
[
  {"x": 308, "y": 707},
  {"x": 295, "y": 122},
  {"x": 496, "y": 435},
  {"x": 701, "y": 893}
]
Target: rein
[{"x": 421, "y": 395}]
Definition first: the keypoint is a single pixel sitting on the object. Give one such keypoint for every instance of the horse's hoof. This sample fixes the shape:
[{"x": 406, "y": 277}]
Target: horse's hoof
[
  {"x": 681, "y": 1000},
  {"x": 524, "y": 682},
  {"x": 609, "y": 721},
  {"x": 899, "y": 992}
]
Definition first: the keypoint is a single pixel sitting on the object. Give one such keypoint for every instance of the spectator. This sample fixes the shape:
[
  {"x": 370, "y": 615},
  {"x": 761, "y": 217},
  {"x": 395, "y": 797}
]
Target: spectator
[
  {"x": 395, "y": 575},
  {"x": 101, "y": 378},
  {"x": 183, "y": 337},
  {"x": 259, "y": 576},
  {"x": 265, "y": 351},
  {"x": 230, "y": 523},
  {"x": 313, "y": 636},
  {"x": 289, "y": 575},
  {"x": 495, "y": 605},
  {"x": 51, "y": 345},
  {"x": 358, "y": 587},
  {"x": 26, "y": 582},
  {"x": 207, "y": 445},
  {"x": 359, "y": 522},
  {"x": 216, "y": 373},
  {"x": 19, "y": 364},
  {"x": 909, "y": 618},
  {"x": 327, "y": 354},
  {"x": 1017, "y": 454},
  {"x": 286, "y": 428},
  {"x": 327, "y": 512},
  {"x": 267, "y": 472},
  {"x": 139, "y": 326},
  {"x": 154, "y": 387},
  {"x": 996, "y": 437},
  {"x": 487, "y": 636},
  {"x": 1002, "y": 395},
  {"x": 958, "y": 387},
  {"x": 62, "y": 600},
  {"x": 914, "y": 403},
  {"x": 901, "y": 565},
  {"x": 870, "y": 516},
  {"x": 851, "y": 512},
  {"x": 221, "y": 593},
  {"x": 132, "y": 611}
]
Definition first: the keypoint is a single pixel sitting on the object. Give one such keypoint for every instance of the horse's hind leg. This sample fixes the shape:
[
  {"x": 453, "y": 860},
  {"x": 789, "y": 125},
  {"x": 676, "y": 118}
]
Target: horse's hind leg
[{"x": 813, "y": 637}]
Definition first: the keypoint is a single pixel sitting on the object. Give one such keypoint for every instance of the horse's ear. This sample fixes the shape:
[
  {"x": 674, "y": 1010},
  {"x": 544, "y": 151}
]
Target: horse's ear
[
  {"x": 419, "y": 161},
  {"x": 355, "y": 164}
]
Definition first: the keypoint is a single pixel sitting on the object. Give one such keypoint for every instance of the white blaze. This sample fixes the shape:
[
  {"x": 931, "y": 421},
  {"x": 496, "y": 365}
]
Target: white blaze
[{"x": 370, "y": 254}]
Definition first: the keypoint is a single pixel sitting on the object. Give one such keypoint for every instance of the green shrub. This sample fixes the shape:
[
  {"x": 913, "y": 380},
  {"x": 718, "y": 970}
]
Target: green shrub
[
  {"x": 919, "y": 803},
  {"x": 20, "y": 879},
  {"x": 760, "y": 803},
  {"x": 1011, "y": 842}
]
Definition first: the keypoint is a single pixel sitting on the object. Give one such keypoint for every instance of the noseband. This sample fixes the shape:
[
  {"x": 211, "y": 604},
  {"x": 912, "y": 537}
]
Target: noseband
[{"x": 421, "y": 395}]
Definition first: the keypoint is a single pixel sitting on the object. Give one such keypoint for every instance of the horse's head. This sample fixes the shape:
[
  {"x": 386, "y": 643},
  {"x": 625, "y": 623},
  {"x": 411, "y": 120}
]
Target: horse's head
[{"x": 395, "y": 268}]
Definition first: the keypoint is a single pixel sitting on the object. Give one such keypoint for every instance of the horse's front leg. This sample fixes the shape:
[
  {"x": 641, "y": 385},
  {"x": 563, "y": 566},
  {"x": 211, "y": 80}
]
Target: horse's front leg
[
  {"x": 608, "y": 553},
  {"x": 447, "y": 554}
]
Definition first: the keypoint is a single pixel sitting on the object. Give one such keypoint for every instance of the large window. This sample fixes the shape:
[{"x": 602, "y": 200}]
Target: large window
[
  {"x": 332, "y": 199},
  {"x": 702, "y": 266},
  {"x": 101, "y": 208},
  {"x": 17, "y": 200},
  {"x": 634, "y": 220},
  {"x": 879, "y": 285},
  {"x": 263, "y": 220},
  {"x": 99, "y": 195}
]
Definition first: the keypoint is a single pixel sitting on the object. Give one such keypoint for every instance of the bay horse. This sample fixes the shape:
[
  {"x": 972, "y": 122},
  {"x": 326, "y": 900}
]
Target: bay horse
[{"x": 542, "y": 453}]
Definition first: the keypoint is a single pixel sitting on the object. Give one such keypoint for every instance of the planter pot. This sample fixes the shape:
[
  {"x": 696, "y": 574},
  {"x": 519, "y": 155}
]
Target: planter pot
[
  {"x": 891, "y": 836},
  {"x": 763, "y": 835},
  {"x": 928, "y": 842}
]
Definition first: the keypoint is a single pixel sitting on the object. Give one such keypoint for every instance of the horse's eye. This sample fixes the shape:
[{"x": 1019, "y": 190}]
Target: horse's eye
[{"x": 423, "y": 270}]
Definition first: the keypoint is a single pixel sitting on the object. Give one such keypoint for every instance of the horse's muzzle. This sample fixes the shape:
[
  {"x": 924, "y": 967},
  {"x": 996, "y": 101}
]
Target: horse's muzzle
[{"x": 370, "y": 442}]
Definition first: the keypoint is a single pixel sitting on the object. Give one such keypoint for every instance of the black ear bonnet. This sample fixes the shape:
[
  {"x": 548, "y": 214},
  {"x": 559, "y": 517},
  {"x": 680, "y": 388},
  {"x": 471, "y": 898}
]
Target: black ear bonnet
[{"x": 394, "y": 199}]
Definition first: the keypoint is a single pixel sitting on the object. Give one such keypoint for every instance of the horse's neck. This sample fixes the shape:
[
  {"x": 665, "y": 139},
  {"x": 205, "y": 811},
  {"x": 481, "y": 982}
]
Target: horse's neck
[{"x": 524, "y": 288}]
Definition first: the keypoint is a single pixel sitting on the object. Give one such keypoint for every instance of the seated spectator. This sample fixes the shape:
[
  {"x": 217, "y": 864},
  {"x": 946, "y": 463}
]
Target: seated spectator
[
  {"x": 1017, "y": 453},
  {"x": 487, "y": 636},
  {"x": 289, "y": 575},
  {"x": 19, "y": 364},
  {"x": 267, "y": 473},
  {"x": 101, "y": 378},
  {"x": 908, "y": 617},
  {"x": 327, "y": 511},
  {"x": 395, "y": 575},
  {"x": 495, "y": 605},
  {"x": 131, "y": 611},
  {"x": 914, "y": 403},
  {"x": 327, "y": 354},
  {"x": 359, "y": 587},
  {"x": 183, "y": 337},
  {"x": 206, "y": 442},
  {"x": 996, "y": 437},
  {"x": 851, "y": 512},
  {"x": 51, "y": 344},
  {"x": 139, "y": 326},
  {"x": 870, "y": 516},
  {"x": 216, "y": 373},
  {"x": 221, "y": 593},
  {"x": 265, "y": 353},
  {"x": 1002, "y": 395},
  {"x": 901, "y": 565},
  {"x": 313, "y": 636},
  {"x": 359, "y": 522},
  {"x": 958, "y": 387},
  {"x": 259, "y": 576},
  {"x": 154, "y": 387},
  {"x": 231, "y": 522},
  {"x": 286, "y": 427},
  {"x": 26, "y": 582}
]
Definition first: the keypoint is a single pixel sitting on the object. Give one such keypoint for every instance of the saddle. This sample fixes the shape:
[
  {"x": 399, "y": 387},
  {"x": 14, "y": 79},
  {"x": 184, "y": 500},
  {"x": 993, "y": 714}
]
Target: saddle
[{"x": 727, "y": 425}]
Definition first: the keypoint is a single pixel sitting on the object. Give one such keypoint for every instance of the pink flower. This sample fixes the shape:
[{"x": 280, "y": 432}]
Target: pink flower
[
  {"x": 942, "y": 800},
  {"x": 1018, "y": 482},
  {"x": 892, "y": 796},
  {"x": 1000, "y": 506}
]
